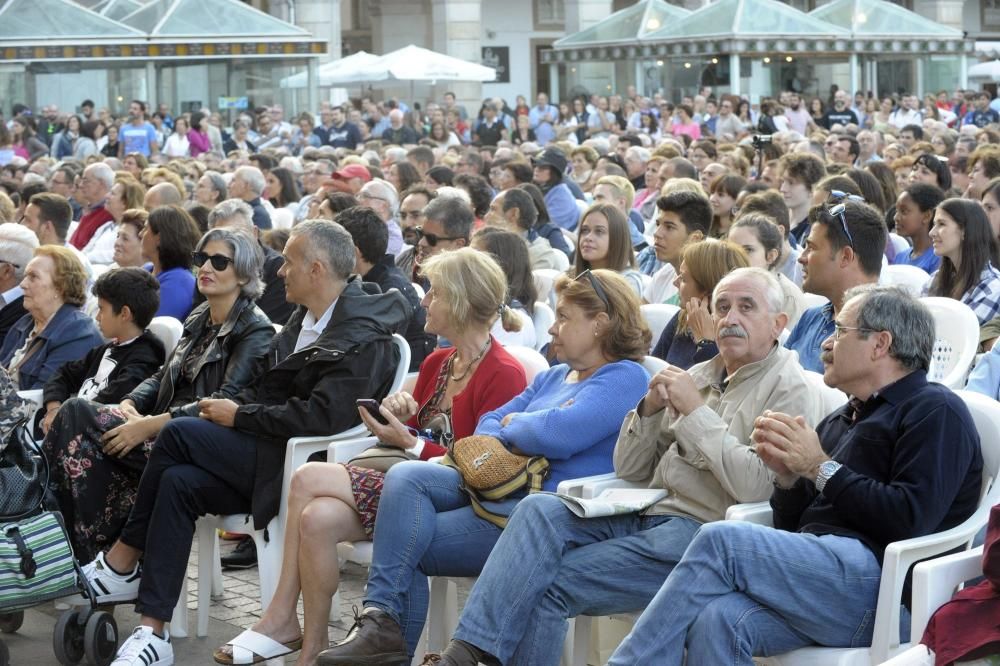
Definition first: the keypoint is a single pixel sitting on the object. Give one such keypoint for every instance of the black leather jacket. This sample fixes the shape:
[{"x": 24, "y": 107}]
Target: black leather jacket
[{"x": 225, "y": 366}]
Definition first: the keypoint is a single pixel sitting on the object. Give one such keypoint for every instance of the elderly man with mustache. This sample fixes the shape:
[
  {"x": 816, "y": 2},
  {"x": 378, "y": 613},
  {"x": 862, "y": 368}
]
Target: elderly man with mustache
[{"x": 690, "y": 435}]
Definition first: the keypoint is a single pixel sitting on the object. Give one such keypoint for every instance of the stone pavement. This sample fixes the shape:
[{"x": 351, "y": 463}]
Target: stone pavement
[{"x": 237, "y": 609}]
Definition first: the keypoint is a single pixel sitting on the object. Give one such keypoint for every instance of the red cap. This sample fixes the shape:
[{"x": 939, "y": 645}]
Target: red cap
[{"x": 353, "y": 171}]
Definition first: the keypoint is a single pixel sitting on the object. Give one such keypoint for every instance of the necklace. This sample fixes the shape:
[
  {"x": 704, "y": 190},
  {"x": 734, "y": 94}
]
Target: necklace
[{"x": 462, "y": 376}]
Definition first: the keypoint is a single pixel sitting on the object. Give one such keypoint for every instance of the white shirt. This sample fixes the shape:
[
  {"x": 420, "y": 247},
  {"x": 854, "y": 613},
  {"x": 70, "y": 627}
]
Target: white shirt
[
  {"x": 661, "y": 288},
  {"x": 311, "y": 329},
  {"x": 11, "y": 295}
]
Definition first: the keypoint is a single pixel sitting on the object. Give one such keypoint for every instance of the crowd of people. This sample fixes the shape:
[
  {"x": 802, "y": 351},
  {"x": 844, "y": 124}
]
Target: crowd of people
[{"x": 292, "y": 252}]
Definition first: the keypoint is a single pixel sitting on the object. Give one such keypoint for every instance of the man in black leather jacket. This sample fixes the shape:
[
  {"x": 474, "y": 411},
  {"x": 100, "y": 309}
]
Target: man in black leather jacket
[{"x": 337, "y": 347}]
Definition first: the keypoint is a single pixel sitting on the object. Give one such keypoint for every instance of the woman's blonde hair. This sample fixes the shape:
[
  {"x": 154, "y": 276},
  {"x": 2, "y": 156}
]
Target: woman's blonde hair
[
  {"x": 628, "y": 336},
  {"x": 473, "y": 287},
  {"x": 707, "y": 262},
  {"x": 69, "y": 278}
]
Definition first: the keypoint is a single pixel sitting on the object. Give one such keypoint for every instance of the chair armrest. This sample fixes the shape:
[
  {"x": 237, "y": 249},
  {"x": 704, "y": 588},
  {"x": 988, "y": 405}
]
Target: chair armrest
[
  {"x": 574, "y": 487},
  {"x": 595, "y": 488},
  {"x": 340, "y": 451},
  {"x": 918, "y": 655},
  {"x": 32, "y": 395},
  {"x": 360, "y": 430},
  {"x": 751, "y": 512},
  {"x": 934, "y": 583}
]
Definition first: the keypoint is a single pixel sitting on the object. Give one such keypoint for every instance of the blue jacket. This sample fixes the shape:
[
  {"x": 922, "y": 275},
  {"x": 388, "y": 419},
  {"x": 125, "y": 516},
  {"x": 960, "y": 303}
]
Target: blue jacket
[
  {"x": 562, "y": 206},
  {"x": 814, "y": 326},
  {"x": 68, "y": 336}
]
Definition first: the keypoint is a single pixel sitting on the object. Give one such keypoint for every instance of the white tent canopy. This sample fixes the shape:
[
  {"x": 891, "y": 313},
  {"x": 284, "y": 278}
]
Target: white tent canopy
[
  {"x": 331, "y": 73},
  {"x": 412, "y": 63},
  {"x": 985, "y": 71}
]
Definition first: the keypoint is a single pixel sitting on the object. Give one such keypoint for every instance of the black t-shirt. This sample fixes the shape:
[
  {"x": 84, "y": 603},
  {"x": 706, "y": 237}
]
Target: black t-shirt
[
  {"x": 834, "y": 117},
  {"x": 489, "y": 135}
]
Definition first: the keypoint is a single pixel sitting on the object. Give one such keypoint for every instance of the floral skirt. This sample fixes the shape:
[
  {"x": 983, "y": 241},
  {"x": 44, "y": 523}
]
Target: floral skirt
[
  {"x": 366, "y": 486},
  {"x": 95, "y": 492}
]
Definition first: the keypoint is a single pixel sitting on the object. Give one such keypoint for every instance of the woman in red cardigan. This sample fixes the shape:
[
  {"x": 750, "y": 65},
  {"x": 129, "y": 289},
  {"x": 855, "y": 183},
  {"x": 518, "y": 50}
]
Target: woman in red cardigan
[{"x": 329, "y": 502}]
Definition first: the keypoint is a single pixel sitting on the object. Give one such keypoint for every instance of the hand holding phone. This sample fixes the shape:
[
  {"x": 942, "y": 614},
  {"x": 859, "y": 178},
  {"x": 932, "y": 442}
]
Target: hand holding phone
[{"x": 371, "y": 406}]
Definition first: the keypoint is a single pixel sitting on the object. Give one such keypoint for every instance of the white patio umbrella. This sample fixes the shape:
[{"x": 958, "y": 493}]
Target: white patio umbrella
[
  {"x": 412, "y": 63},
  {"x": 331, "y": 73},
  {"x": 985, "y": 71}
]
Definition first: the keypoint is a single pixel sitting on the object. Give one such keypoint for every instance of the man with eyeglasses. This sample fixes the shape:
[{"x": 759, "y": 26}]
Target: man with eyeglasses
[
  {"x": 901, "y": 460},
  {"x": 690, "y": 436},
  {"x": 62, "y": 181},
  {"x": 312, "y": 179},
  {"x": 17, "y": 246},
  {"x": 844, "y": 249},
  {"x": 93, "y": 190}
]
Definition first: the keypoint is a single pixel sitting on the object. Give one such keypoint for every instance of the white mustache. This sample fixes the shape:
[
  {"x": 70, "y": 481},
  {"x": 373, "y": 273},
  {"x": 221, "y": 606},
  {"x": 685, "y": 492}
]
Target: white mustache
[{"x": 733, "y": 332}]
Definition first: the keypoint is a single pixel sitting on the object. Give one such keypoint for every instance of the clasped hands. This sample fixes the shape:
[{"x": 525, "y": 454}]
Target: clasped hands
[
  {"x": 671, "y": 387},
  {"x": 789, "y": 446}
]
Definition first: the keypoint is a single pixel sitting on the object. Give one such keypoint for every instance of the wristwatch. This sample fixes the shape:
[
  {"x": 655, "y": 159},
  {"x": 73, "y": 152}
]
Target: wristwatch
[{"x": 826, "y": 470}]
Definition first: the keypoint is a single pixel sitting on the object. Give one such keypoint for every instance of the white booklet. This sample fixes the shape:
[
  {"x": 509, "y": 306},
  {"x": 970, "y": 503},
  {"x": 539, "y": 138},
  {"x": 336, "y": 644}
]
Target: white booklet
[{"x": 613, "y": 501}]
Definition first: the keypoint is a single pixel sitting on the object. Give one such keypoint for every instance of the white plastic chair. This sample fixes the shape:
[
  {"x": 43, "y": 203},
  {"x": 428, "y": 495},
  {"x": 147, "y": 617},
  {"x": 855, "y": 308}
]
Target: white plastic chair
[
  {"x": 545, "y": 279},
  {"x": 901, "y": 555},
  {"x": 543, "y": 318},
  {"x": 657, "y": 316},
  {"x": 417, "y": 287},
  {"x": 532, "y": 362},
  {"x": 653, "y": 365},
  {"x": 814, "y": 300},
  {"x": 910, "y": 278},
  {"x": 898, "y": 243},
  {"x": 956, "y": 332},
  {"x": 168, "y": 330},
  {"x": 269, "y": 550},
  {"x": 832, "y": 398}
]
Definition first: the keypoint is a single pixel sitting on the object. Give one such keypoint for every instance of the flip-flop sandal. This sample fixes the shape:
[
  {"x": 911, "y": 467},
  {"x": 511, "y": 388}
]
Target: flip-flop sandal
[{"x": 251, "y": 647}]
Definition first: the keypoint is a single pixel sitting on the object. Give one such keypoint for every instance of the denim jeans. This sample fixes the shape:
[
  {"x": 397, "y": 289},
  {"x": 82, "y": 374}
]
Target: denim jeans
[
  {"x": 550, "y": 565},
  {"x": 744, "y": 590},
  {"x": 425, "y": 527}
]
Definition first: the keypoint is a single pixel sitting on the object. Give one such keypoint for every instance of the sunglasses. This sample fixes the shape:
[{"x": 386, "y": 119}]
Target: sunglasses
[
  {"x": 220, "y": 262},
  {"x": 839, "y": 211},
  {"x": 433, "y": 239},
  {"x": 598, "y": 289}
]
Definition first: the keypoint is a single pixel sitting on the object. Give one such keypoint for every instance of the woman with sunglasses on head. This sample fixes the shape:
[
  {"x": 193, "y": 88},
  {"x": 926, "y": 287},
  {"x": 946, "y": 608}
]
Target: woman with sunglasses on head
[
  {"x": 604, "y": 242},
  {"x": 105, "y": 447},
  {"x": 329, "y": 503},
  {"x": 915, "y": 208},
  {"x": 962, "y": 236},
  {"x": 571, "y": 414},
  {"x": 167, "y": 241},
  {"x": 933, "y": 170},
  {"x": 689, "y": 337}
]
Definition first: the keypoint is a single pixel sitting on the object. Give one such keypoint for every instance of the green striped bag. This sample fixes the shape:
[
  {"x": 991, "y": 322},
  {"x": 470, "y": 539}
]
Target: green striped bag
[{"x": 36, "y": 562}]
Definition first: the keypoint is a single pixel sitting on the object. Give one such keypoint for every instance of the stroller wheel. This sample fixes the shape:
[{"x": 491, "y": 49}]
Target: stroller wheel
[
  {"x": 11, "y": 622},
  {"x": 100, "y": 638},
  {"x": 67, "y": 638}
]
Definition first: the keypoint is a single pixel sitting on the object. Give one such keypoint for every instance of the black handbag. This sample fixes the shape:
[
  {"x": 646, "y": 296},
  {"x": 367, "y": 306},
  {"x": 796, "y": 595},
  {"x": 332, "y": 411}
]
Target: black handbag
[{"x": 24, "y": 474}]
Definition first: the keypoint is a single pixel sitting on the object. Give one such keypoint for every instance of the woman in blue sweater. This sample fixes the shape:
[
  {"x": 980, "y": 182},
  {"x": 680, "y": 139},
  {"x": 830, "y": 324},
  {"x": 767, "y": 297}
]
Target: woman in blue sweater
[
  {"x": 570, "y": 414},
  {"x": 168, "y": 240}
]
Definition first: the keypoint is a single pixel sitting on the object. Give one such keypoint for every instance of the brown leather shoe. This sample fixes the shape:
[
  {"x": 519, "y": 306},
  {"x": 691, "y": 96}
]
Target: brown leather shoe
[{"x": 375, "y": 638}]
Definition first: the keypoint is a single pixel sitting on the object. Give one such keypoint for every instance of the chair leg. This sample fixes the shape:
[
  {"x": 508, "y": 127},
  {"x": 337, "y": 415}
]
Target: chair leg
[
  {"x": 335, "y": 607},
  {"x": 208, "y": 559},
  {"x": 581, "y": 639},
  {"x": 436, "y": 621},
  {"x": 179, "y": 620},
  {"x": 218, "y": 586}
]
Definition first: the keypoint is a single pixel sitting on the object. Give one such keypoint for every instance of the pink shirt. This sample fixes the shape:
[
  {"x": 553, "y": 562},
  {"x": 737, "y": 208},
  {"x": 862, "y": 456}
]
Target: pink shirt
[{"x": 692, "y": 129}]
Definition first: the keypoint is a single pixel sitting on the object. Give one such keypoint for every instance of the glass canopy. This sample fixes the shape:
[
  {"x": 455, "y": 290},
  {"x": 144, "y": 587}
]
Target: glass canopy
[
  {"x": 629, "y": 24},
  {"x": 22, "y": 20},
  {"x": 868, "y": 18},
  {"x": 746, "y": 18},
  {"x": 208, "y": 18}
]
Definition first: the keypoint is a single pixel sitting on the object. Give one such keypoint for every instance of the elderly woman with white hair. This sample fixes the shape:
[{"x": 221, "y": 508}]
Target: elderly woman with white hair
[
  {"x": 17, "y": 245},
  {"x": 381, "y": 196}
]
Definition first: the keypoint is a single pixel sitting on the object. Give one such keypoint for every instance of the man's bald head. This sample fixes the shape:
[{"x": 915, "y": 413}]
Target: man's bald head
[{"x": 162, "y": 194}]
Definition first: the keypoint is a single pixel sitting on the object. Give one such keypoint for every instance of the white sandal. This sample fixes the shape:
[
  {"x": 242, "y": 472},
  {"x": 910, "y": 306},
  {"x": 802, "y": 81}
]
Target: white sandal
[{"x": 251, "y": 647}]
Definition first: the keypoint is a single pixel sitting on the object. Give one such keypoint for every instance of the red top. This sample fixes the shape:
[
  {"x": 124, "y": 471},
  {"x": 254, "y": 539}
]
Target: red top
[
  {"x": 89, "y": 223},
  {"x": 495, "y": 382}
]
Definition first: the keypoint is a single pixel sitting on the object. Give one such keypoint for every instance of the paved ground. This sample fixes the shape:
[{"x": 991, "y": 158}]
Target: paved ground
[{"x": 238, "y": 609}]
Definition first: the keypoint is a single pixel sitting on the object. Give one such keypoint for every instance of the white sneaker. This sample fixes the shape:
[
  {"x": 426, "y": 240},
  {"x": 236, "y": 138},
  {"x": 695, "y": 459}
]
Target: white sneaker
[
  {"x": 144, "y": 648},
  {"x": 111, "y": 587}
]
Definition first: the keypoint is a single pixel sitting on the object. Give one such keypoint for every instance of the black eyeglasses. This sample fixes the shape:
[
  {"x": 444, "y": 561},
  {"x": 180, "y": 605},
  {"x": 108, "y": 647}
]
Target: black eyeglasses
[
  {"x": 220, "y": 262},
  {"x": 432, "y": 239},
  {"x": 596, "y": 284}
]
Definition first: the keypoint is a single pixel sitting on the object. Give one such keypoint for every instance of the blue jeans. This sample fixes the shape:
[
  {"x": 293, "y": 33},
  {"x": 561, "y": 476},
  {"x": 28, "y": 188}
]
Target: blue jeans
[
  {"x": 744, "y": 590},
  {"x": 425, "y": 527},
  {"x": 550, "y": 565}
]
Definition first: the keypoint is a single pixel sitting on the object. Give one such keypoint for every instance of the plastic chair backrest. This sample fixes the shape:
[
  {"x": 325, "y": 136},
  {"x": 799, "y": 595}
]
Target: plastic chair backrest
[
  {"x": 545, "y": 279},
  {"x": 653, "y": 365},
  {"x": 404, "y": 363},
  {"x": 986, "y": 414},
  {"x": 168, "y": 330},
  {"x": 910, "y": 278},
  {"x": 657, "y": 316},
  {"x": 543, "y": 319},
  {"x": 417, "y": 287},
  {"x": 956, "y": 339},
  {"x": 814, "y": 300},
  {"x": 532, "y": 362},
  {"x": 833, "y": 399}
]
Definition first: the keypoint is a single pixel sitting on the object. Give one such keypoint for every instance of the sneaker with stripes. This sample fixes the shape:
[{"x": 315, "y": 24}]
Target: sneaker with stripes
[
  {"x": 111, "y": 587},
  {"x": 144, "y": 648}
]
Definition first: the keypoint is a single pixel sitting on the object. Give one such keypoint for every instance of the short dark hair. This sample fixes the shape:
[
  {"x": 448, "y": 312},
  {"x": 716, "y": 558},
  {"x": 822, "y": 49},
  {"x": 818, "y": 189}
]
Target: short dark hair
[
  {"x": 867, "y": 229},
  {"x": 927, "y": 197},
  {"x": 479, "y": 191},
  {"x": 683, "y": 168},
  {"x": 693, "y": 210},
  {"x": 803, "y": 167},
  {"x": 769, "y": 203},
  {"x": 853, "y": 147},
  {"x": 520, "y": 170},
  {"x": 370, "y": 234},
  {"x": 916, "y": 130},
  {"x": 421, "y": 154},
  {"x": 54, "y": 209},
  {"x": 134, "y": 287},
  {"x": 142, "y": 105},
  {"x": 522, "y": 201},
  {"x": 453, "y": 213},
  {"x": 339, "y": 201},
  {"x": 178, "y": 234},
  {"x": 441, "y": 175},
  {"x": 937, "y": 165}
]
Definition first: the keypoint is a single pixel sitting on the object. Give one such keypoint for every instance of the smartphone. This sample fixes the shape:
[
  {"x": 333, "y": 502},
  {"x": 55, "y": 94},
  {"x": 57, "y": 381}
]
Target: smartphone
[{"x": 371, "y": 406}]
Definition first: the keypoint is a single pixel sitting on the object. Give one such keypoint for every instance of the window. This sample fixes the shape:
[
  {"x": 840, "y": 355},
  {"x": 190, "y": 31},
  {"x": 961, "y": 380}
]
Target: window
[
  {"x": 550, "y": 14},
  {"x": 991, "y": 14}
]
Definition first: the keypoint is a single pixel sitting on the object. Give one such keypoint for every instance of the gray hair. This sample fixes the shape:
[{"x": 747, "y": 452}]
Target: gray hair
[
  {"x": 384, "y": 190},
  {"x": 253, "y": 177},
  {"x": 231, "y": 209},
  {"x": 905, "y": 318},
  {"x": 640, "y": 153},
  {"x": 218, "y": 183},
  {"x": 772, "y": 289},
  {"x": 17, "y": 246},
  {"x": 248, "y": 258},
  {"x": 329, "y": 243},
  {"x": 101, "y": 172}
]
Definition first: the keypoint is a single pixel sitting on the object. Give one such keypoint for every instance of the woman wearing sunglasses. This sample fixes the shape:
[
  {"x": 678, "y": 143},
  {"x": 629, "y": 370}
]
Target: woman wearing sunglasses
[
  {"x": 104, "y": 448},
  {"x": 603, "y": 241},
  {"x": 168, "y": 238}
]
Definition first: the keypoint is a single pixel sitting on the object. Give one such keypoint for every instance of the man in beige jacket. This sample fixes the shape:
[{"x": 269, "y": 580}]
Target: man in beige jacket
[{"x": 689, "y": 435}]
